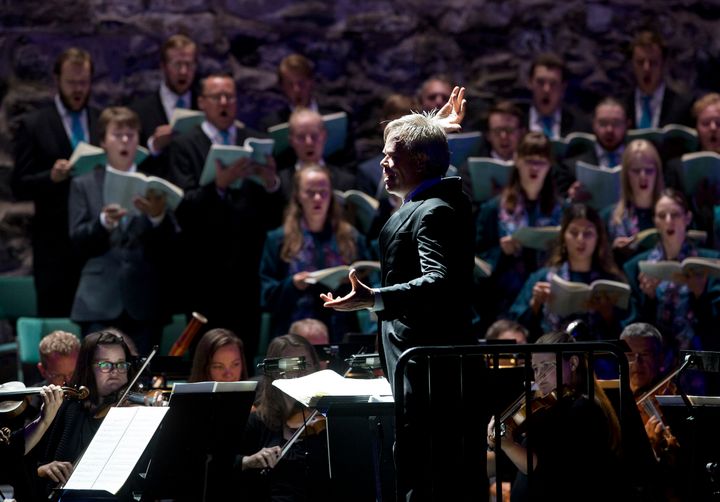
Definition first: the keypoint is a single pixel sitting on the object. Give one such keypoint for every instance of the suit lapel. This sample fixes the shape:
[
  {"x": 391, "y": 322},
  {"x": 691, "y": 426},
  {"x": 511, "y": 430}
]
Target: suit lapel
[
  {"x": 396, "y": 221},
  {"x": 57, "y": 130}
]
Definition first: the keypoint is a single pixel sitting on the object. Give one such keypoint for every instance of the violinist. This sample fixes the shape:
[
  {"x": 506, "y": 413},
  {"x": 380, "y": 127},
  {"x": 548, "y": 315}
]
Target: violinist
[
  {"x": 302, "y": 474},
  {"x": 219, "y": 357},
  {"x": 574, "y": 441},
  {"x": 104, "y": 368},
  {"x": 15, "y": 444},
  {"x": 645, "y": 360}
]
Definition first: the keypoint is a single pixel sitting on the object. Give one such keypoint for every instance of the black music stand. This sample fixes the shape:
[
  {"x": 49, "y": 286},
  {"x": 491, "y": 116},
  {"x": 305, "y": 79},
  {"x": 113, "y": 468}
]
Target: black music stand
[
  {"x": 197, "y": 443},
  {"x": 693, "y": 420}
]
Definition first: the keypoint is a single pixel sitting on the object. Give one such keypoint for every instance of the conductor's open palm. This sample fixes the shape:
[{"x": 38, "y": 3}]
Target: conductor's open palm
[{"x": 361, "y": 296}]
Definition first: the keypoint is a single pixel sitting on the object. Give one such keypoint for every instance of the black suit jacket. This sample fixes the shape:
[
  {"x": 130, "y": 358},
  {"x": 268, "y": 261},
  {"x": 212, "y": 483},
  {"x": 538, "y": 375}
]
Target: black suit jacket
[
  {"x": 152, "y": 115},
  {"x": 126, "y": 268},
  {"x": 39, "y": 141},
  {"x": 188, "y": 152},
  {"x": 675, "y": 109},
  {"x": 571, "y": 120},
  {"x": 426, "y": 250},
  {"x": 223, "y": 238},
  {"x": 565, "y": 171}
]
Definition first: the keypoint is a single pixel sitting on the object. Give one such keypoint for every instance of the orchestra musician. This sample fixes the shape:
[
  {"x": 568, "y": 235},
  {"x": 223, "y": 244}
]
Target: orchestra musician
[
  {"x": 646, "y": 372},
  {"x": 219, "y": 357},
  {"x": 104, "y": 367},
  {"x": 15, "y": 444},
  {"x": 574, "y": 441},
  {"x": 302, "y": 474}
]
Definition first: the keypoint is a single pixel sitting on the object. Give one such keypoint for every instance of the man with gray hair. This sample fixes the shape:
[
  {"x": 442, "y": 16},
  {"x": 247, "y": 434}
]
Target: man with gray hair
[
  {"x": 426, "y": 246},
  {"x": 426, "y": 250}
]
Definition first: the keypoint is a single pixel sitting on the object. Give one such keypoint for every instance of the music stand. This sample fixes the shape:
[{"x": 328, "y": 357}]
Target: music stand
[
  {"x": 693, "y": 420},
  {"x": 198, "y": 441}
]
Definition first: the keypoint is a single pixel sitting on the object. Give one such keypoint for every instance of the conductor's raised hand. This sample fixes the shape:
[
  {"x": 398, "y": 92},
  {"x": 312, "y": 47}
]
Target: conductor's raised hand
[
  {"x": 361, "y": 296},
  {"x": 453, "y": 112}
]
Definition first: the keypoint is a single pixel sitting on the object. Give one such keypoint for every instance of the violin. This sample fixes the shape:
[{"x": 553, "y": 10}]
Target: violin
[
  {"x": 649, "y": 407},
  {"x": 312, "y": 425},
  {"x": 513, "y": 419},
  {"x": 13, "y": 394}
]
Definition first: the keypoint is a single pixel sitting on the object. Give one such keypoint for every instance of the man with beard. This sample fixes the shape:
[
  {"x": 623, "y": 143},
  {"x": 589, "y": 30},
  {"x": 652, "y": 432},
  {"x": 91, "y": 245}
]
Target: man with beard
[
  {"x": 178, "y": 61},
  {"x": 44, "y": 142},
  {"x": 547, "y": 114},
  {"x": 610, "y": 124},
  {"x": 653, "y": 103},
  {"x": 224, "y": 227}
]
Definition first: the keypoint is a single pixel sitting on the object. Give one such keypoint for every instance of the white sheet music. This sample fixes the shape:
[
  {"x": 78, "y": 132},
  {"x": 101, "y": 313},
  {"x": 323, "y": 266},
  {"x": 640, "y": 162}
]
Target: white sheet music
[
  {"x": 116, "y": 448},
  {"x": 309, "y": 389}
]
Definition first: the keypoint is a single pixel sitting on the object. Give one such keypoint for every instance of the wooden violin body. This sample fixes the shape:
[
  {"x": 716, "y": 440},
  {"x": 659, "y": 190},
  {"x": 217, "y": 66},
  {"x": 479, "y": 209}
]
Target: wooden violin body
[{"x": 13, "y": 394}]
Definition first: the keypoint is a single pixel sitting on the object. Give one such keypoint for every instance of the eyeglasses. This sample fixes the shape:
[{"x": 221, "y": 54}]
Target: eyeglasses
[
  {"x": 216, "y": 98},
  {"x": 107, "y": 366}
]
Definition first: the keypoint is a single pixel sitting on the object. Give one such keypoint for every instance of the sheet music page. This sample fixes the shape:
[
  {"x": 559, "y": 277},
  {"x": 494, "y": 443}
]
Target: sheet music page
[
  {"x": 310, "y": 388},
  {"x": 116, "y": 448}
]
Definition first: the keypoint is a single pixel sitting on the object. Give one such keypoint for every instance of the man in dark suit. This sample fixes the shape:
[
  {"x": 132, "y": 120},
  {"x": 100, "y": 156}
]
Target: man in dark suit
[
  {"x": 426, "y": 246},
  {"x": 427, "y": 271},
  {"x": 547, "y": 114},
  {"x": 653, "y": 103},
  {"x": 224, "y": 227},
  {"x": 125, "y": 279},
  {"x": 610, "y": 124},
  {"x": 44, "y": 142},
  {"x": 178, "y": 61}
]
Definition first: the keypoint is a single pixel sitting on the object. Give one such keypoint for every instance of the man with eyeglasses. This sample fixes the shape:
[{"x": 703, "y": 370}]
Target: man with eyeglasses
[
  {"x": 610, "y": 124},
  {"x": 178, "y": 62},
  {"x": 224, "y": 226},
  {"x": 43, "y": 143},
  {"x": 503, "y": 132}
]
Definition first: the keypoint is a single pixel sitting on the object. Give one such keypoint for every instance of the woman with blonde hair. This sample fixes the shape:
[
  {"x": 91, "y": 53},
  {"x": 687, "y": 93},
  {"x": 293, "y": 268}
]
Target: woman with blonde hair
[
  {"x": 641, "y": 182},
  {"x": 314, "y": 236}
]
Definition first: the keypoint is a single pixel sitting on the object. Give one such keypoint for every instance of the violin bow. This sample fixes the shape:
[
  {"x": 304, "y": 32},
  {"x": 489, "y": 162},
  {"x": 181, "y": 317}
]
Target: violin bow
[{"x": 142, "y": 368}]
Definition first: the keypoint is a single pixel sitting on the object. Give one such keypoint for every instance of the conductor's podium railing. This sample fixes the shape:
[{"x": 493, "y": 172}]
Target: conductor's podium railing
[{"x": 446, "y": 395}]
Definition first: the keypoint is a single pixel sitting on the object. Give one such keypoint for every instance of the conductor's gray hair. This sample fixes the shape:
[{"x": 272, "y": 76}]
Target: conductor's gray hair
[{"x": 424, "y": 139}]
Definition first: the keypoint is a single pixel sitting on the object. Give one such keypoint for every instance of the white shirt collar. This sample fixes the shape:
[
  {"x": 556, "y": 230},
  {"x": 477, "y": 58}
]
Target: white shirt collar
[
  {"x": 536, "y": 123},
  {"x": 213, "y": 133},
  {"x": 169, "y": 99}
]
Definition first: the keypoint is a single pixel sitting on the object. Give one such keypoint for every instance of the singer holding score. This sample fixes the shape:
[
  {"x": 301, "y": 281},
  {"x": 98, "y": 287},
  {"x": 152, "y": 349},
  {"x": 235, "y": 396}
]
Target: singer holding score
[{"x": 426, "y": 258}]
